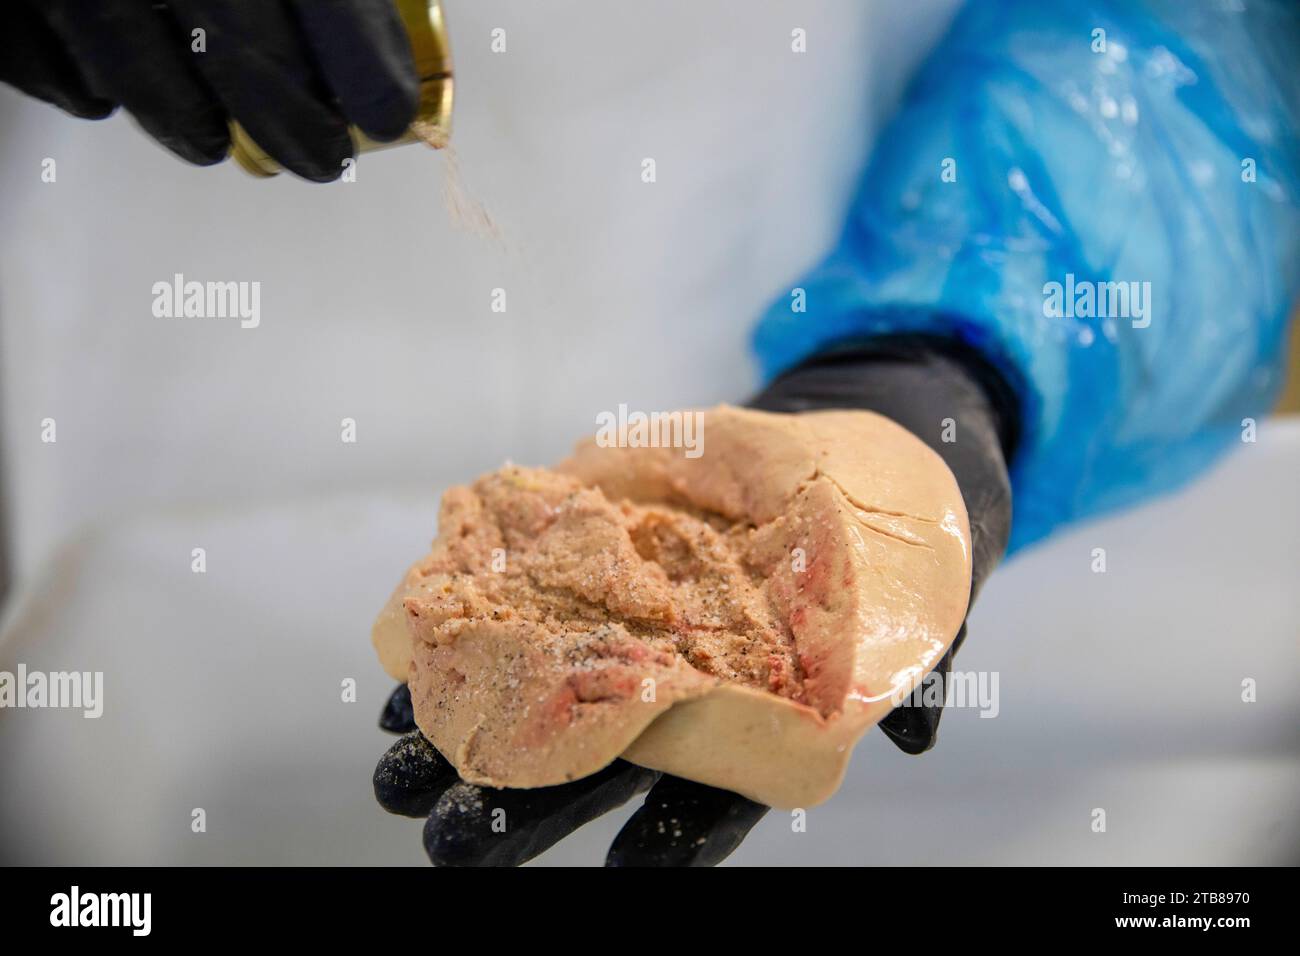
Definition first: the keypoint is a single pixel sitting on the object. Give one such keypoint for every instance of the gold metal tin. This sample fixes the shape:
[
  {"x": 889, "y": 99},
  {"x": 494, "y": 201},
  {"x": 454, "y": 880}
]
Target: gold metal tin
[{"x": 427, "y": 31}]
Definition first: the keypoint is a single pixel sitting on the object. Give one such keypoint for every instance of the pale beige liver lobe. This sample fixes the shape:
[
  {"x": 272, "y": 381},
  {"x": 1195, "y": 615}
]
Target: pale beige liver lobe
[{"x": 655, "y": 606}]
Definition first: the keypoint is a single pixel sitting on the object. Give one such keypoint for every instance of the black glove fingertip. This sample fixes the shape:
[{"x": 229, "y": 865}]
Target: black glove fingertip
[
  {"x": 411, "y": 777},
  {"x": 480, "y": 826},
  {"x": 683, "y": 823},
  {"x": 365, "y": 58},
  {"x": 199, "y": 150},
  {"x": 914, "y": 725},
  {"x": 913, "y": 730},
  {"x": 399, "y": 713},
  {"x": 35, "y": 59}
]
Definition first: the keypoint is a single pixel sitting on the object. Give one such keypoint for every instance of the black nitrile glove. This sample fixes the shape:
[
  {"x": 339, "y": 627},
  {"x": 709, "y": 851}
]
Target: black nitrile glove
[
  {"x": 294, "y": 73},
  {"x": 679, "y": 824},
  {"x": 917, "y": 382}
]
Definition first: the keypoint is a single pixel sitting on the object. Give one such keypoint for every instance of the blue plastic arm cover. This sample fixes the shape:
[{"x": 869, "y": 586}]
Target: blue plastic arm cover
[{"x": 1103, "y": 198}]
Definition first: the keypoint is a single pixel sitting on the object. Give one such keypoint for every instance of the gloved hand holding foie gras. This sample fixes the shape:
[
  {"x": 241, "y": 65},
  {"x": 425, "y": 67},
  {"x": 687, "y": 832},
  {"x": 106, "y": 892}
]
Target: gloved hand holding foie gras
[{"x": 736, "y": 614}]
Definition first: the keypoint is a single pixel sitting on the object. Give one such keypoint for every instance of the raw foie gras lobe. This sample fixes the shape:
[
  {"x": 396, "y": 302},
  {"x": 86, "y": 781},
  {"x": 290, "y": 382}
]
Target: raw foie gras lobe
[
  {"x": 535, "y": 675},
  {"x": 885, "y": 587},
  {"x": 557, "y": 722},
  {"x": 528, "y": 676}
]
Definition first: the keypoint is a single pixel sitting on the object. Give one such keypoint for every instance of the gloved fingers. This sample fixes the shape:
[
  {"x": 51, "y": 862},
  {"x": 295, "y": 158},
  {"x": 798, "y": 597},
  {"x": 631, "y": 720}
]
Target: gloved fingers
[
  {"x": 365, "y": 57},
  {"x": 480, "y": 826},
  {"x": 683, "y": 823},
  {"x": 35, "y": 59},
  {"x": 470, "y": 825},
  {"x": 134, "y": 54},
  {"x": 263, "y": 74},
  {"x": 411, "y": 776},
  {"x": 913, "y": 726},
  {"x": 399, "y": 714}
]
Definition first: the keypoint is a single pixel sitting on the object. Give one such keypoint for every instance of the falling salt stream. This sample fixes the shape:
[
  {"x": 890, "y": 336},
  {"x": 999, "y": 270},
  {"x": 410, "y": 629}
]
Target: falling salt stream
[{"x": 466, "y": 210}]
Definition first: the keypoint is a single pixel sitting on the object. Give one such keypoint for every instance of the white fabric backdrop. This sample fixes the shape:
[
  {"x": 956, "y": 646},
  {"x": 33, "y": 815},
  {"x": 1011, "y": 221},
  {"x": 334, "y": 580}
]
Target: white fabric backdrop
[{"x": 375, "y": 305}]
